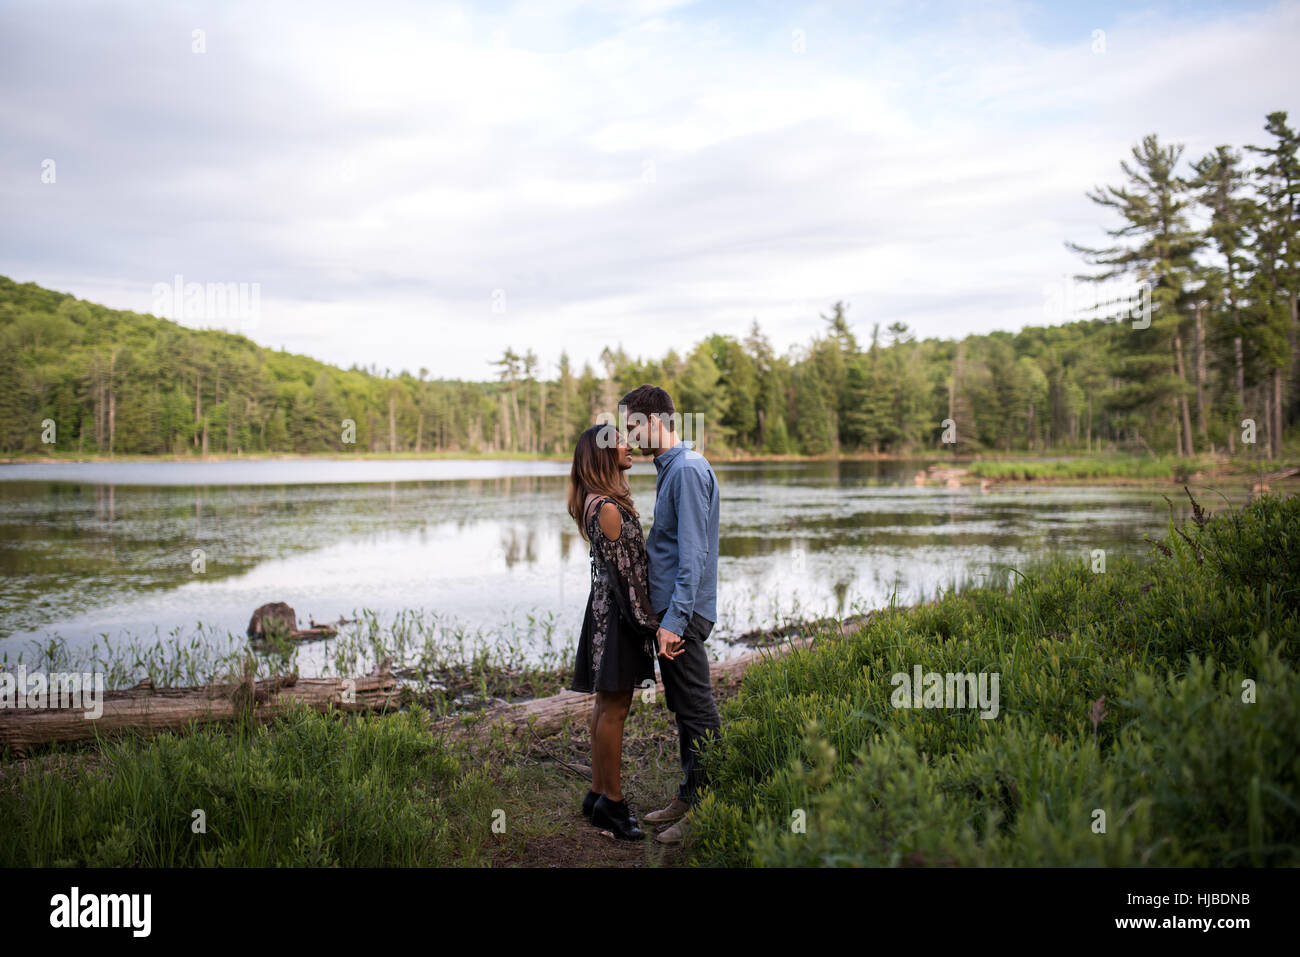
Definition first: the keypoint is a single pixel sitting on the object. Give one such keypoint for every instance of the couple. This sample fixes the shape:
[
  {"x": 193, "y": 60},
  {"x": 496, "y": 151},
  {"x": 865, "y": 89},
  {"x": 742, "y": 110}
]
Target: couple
[{"x": 656, "y": 598}]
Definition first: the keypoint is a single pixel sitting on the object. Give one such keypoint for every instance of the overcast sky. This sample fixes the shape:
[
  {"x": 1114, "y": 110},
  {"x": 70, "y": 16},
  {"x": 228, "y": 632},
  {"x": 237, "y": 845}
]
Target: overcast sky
[{"x": 425, "y": 184}]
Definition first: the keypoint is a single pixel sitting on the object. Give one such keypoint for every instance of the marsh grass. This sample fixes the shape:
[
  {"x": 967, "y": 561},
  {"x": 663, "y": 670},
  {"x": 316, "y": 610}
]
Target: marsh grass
[
  {"x": 441, "y": 664},
  {"x": 1091, "y": 467}
]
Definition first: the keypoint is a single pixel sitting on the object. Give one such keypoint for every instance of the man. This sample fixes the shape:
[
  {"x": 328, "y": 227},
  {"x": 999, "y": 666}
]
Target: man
[{"x": 683, "y": 550}]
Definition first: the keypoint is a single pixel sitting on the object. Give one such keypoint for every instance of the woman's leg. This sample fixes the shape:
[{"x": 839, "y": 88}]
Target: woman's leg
[
  {"x": 609, "y": 740},
  {"x": 597, "y": 774}
]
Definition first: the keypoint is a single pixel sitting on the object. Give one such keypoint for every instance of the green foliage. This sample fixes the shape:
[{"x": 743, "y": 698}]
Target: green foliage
[
  {"x": 311, "y": 790},
  {"x": 1121, "y": 692},
  {"x": 121, "y": 382}
]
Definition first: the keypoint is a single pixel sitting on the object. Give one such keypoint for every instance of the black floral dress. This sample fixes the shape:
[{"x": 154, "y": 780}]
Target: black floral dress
[{"x": 617, "y": 647}]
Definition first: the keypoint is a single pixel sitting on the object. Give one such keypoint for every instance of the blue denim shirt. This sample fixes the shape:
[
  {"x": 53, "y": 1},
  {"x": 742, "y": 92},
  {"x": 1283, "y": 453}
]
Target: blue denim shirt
[{"x": 683, "y": 541}]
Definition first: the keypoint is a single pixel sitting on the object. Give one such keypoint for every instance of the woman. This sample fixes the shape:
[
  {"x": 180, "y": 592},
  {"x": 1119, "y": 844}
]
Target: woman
[{"x": 616, "y": 651}]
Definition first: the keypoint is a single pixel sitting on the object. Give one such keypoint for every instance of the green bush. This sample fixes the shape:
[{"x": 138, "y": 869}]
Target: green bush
[{"x": 816, "y": 766}]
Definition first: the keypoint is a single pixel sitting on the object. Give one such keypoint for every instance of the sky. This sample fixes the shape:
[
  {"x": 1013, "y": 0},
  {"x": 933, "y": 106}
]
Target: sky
[{"x": 423, "y": 185}]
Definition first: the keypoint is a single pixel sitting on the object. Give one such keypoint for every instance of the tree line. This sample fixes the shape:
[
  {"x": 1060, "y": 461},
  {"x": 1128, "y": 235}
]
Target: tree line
[{"x": 1207, "y": 362}]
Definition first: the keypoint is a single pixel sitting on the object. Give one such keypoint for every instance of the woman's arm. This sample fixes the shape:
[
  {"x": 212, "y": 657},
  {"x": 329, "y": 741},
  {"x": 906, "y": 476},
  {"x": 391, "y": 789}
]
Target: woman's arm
[{"x": 630, "y": 587}]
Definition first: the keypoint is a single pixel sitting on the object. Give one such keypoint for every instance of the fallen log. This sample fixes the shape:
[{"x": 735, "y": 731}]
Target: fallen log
[
  {"x": 148, "y": 710},
  {"x": 1263, "y": 485},
  {"x": 763, "y": 637},
  {"x": 300, "y": 634},
  {"x": 543, "y": 716}
]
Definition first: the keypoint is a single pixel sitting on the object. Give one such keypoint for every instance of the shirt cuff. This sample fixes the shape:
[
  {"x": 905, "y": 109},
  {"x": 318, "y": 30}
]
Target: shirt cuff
[{"x": 673, "y": 622}]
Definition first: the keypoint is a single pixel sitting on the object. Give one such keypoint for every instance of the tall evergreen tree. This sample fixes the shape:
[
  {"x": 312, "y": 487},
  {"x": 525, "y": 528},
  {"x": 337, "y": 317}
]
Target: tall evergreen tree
[
  {"x": 1277, "y": 270},
  {"x": 1157, "y": 248}
]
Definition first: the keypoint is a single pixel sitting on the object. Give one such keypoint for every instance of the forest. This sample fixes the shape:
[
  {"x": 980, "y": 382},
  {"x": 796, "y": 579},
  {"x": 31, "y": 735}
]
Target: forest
[{"x": 1209, "y": 364}]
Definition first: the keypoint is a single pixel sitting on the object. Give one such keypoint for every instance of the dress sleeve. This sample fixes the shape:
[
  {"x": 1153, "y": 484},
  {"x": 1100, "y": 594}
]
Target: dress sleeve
[{"x": 627, "y": 566}]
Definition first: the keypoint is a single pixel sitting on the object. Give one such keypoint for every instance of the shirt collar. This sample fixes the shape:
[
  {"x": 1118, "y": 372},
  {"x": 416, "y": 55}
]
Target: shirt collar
[{"x": 664, "y": 458}]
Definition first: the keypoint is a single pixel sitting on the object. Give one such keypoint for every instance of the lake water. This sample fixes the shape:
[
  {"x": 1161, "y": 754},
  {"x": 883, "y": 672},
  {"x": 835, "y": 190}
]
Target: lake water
[{"x": 108, "y": 548}]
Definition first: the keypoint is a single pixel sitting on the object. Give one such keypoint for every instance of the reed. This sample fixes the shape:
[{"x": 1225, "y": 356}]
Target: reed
[{"x": 440, "y": 663}]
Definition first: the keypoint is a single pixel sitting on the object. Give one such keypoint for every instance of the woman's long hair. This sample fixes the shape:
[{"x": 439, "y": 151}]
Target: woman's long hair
[{"x": 595, "y": 472}]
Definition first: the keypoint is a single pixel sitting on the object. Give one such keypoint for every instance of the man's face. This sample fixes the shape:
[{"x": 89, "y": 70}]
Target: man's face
[{"x": 641, "y": 431}]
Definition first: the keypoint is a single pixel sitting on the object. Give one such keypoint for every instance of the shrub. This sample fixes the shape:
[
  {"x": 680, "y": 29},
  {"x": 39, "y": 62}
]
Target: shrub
[{"x": 1185, "y": 771}]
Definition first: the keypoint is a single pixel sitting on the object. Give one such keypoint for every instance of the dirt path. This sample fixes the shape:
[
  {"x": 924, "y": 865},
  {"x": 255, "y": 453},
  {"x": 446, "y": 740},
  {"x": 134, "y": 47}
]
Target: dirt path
[{"x": 552, "y": 776}]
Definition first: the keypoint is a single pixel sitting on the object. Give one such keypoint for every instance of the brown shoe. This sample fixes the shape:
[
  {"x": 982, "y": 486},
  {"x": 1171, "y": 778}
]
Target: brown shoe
[
  {"x": 673, "y": 812},
  {"x": 674, "y": 834}
]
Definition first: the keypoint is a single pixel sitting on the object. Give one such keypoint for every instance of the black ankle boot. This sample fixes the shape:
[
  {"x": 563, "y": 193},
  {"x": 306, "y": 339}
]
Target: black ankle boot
[
  {"x": 588, "y": 803},
  {"x": 616, "y": 817}
]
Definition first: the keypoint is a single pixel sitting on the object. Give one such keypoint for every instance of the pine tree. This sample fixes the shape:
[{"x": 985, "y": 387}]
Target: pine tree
[
  {"x": 1153, "y": 205},
  {"x": 1276, "y": 282}
]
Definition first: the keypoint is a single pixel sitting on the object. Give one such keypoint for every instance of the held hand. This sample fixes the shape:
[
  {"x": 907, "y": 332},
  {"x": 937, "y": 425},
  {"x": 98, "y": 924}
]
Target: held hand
[{"x": 670, "y": 645}]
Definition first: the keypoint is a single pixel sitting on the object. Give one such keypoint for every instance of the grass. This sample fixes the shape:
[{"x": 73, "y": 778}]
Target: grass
[
  {"x": 330, "y": 790},
  {"x": 1122, "y": 468},
  {"x": 1122, "y": 705},
  {"x": 1092, "y": 467},
  {"x": 312, "y": 791}
]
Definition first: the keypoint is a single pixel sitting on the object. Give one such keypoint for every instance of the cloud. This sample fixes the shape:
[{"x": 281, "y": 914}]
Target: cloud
[{"x": 609, "y": 173}]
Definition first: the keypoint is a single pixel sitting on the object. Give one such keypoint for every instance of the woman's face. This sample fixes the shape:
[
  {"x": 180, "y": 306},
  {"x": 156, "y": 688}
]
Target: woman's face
[{"x": 624, "y": 453}]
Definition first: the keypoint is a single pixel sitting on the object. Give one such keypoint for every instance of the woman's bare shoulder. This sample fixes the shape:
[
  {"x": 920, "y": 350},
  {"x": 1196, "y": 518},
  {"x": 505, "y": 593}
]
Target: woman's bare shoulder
[{"x": 611, "y": 521}]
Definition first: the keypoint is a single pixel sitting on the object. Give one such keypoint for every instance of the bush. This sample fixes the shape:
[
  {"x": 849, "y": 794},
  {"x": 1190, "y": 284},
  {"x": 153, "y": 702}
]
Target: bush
[{"x": 816, "y": 766}]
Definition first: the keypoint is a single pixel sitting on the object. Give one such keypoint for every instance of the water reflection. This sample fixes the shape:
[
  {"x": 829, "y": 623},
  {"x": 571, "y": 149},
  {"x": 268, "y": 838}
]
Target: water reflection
[{"x": 94, "y": 551}]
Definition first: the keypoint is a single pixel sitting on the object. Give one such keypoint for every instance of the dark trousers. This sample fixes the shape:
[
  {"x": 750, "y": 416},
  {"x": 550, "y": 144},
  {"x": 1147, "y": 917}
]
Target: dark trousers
[{"x": 689, "y": 696}]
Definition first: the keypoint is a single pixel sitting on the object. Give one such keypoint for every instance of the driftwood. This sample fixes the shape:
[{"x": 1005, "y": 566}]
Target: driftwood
[
  {"x": 950, "y": 476},
  {"x": 300, "y": 634},
  {"x": 1262, "y": 486},
  {"x": 330, "y": 624},
  {"x": 148, "y": 710},
  {"x": 766, "y": 636},
  {"x": 543, "y": 716}
]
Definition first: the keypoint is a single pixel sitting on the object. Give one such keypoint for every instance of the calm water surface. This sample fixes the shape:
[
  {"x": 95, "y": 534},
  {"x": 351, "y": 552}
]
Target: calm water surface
[{"x": 107, "y": 549}]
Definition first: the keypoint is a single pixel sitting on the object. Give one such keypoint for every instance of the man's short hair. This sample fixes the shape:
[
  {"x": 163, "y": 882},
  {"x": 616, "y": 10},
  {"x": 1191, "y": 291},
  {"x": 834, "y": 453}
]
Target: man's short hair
[{"x": 650, "y": 400}]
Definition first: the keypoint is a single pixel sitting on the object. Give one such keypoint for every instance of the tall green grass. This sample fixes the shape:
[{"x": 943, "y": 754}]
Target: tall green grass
[
  {"x": 1090, "y": 468},
  {"x": 307, "y": 790},
  {"x": 815, "y": 766}
]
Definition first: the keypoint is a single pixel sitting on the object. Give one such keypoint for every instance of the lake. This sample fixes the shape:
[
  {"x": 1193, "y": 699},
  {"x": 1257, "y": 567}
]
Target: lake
[{"x": 110, "y": 549}]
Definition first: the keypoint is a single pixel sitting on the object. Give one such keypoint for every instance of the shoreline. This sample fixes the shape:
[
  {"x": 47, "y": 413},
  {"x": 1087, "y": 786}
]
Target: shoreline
[
  {"x": 35, "y": 458},
  {"x": 954, "y": 471}
]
